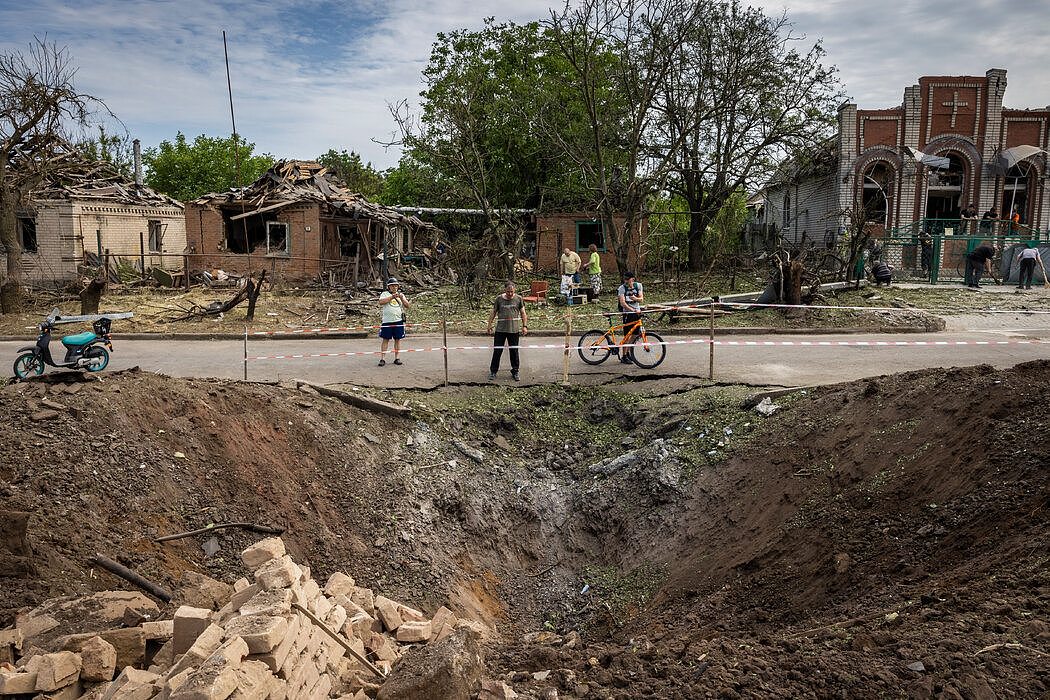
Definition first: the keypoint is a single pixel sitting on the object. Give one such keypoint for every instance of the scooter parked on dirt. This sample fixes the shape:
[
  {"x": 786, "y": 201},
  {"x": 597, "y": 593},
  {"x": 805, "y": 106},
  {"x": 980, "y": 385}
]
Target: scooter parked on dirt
[{"x": 83, "y": 350}]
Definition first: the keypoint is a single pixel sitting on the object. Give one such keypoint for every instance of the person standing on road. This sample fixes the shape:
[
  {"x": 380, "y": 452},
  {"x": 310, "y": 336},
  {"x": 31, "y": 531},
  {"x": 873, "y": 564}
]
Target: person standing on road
[
  {"x": 978, "y": 262},
  {"x": 594, "y": 269},
  {"x": 629, "y": 296},
  {"x": 1028, "y": 257},
  {"x": 570, "y": 272},
  {"x": 393, "y": 304},
  {"x": 511, "y": 322}
]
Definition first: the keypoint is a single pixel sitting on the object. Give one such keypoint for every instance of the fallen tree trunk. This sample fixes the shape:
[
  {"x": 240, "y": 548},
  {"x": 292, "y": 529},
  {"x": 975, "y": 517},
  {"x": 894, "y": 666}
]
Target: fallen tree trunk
[{"x": 365, "y": 402}]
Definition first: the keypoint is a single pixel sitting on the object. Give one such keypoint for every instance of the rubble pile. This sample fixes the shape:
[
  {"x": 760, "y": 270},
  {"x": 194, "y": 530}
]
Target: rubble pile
[{"x": 278, "y": 636}]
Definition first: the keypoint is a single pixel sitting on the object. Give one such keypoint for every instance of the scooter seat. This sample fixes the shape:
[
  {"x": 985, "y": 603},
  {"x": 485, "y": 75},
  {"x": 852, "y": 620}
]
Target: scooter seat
[{"x": 78, "y": 339}]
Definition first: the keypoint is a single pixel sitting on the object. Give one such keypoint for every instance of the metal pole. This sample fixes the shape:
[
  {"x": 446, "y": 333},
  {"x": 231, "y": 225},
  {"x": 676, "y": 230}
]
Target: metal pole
[
  {"x": 98, "y": 242},
  {"x": 142, "y": 253},
  {"x": 711, "y": 341},
  {"x": 246, "y": 353},
  {"x": 444, "y": 339},
  {"x": 565, "y": 359}
]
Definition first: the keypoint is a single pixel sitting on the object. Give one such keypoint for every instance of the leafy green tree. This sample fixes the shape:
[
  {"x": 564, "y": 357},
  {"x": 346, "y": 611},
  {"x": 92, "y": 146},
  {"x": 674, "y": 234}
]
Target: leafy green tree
[
  {"x": 114, "y": 149},
  {"x": 359, "y": 176},
  {"x": 185, "y": 170}
]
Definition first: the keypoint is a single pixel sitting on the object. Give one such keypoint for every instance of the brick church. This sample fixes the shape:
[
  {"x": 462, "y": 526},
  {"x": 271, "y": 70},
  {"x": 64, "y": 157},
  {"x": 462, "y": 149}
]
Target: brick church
[{"x": 950, "y": 143}]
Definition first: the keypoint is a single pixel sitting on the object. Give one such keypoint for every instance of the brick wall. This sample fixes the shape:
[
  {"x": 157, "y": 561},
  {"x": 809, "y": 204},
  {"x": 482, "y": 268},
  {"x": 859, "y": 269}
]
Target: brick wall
[
  {"x": 206, "y": 232},
  {"x": 555, "y": 232},
  {"x": 121, "y": 226}
]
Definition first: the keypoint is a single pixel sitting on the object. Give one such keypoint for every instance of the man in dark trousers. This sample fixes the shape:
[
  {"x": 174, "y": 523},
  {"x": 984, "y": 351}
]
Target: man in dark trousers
[
  {"x": 978, "y": 261},
  {"x": 511, "y": 322}
]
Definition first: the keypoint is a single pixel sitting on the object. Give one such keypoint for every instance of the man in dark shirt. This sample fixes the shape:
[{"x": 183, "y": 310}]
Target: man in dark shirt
[
  {"x": 508, "y": 315},
  {"x": 978, "y": 262}
]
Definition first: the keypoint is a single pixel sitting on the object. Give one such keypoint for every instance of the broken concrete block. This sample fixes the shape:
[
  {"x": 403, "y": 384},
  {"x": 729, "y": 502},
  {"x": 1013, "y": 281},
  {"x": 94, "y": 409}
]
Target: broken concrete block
[
  {"x": 175, "y": 682},
  {"x": 262, "y": 633},
  {"x": 254, "y": 681},
  {"x": 364, "y": 598},
  {"x": 17, "y": 683},
  {"x": 276, "y": 658},
  {"x": 202, "y": 591},
  {"x": 363, "y": 625},
  {"x": 339, "y": 584},
  {"x": 133, "y": 684},
  {"x": 336, "y": 617},
  {"x": 381, "y": 646},
  {"x": 240, "y": 584},
  {"x": 212, "y": 681},
  {"x": 496, "y": 690},
  {"x": 311, "y": 591},
  {"x": 278, "y": 573},
  {"x": 10, "y": 645},
  {"x": 206, "y": 644},
  {"x": 163, "y": 658},
  {"x": 98, "y": 660},
  {"x": 408, "y": 613},
  {"x": 386, "y": 610},
  {"x": 262, "y": 552},
  {"x": 443, "y": 623},
  {"x": 414, "y": 631},
  {"x": 320, "y": 606},
  {"x": 274, "y": 602},
  {"x": 188, "y": 624},
  {"x": 57, "y": 671},
  {"x": 158, "y": 630},
  {"x": 319, "y": 690},
  {"x": 243, "y": 595}
]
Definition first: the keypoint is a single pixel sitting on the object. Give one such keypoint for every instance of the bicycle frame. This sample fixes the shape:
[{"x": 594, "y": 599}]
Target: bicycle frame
[{"x": 633, "y": 328}]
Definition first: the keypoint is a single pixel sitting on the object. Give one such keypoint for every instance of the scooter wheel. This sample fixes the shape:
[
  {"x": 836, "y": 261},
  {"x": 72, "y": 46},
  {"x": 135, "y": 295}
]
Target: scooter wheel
[
  {"x": 27, "y": 365},
  {"x": 99, "y": 359}
]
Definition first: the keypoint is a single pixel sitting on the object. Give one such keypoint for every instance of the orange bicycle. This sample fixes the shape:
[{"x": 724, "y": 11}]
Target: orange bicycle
[{"x": 645, "y": 348}]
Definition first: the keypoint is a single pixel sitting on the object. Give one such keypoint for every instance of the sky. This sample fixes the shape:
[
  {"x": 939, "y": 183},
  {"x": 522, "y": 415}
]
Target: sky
[{"x": 309, "y": 75}]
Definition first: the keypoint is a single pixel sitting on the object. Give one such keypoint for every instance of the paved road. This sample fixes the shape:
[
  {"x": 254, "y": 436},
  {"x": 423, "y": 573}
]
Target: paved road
[{"x": 780, "y": 365}]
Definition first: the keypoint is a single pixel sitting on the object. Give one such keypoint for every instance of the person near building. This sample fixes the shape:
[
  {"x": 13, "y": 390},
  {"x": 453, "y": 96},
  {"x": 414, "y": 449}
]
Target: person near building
[
  {"x": 511, "y": 322},
  {"x": 969, "y": 219},
  {"x": 926, "y": 254},
  {"x": 978, "y": 262},
  {"x": 882, "y": 273},
  {"x": 594, "y": 271},
  {"x": 1029, "y": 257},
  {"x": 569, "y": 265},
  {"x": 392, "y": 326},
  {"x": 988, "y": 221},
  {"x": 629, "y": 296},
  {"x": 1015, "y": 222}
]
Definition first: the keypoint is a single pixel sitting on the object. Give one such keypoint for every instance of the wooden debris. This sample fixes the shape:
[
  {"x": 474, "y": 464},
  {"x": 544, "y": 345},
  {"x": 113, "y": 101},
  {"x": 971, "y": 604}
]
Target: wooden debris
[{"x": 357, "y": 400}]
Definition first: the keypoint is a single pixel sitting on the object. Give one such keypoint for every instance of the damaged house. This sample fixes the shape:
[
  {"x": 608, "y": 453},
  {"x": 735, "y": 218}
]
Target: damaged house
[
  {"x": 298, "y": 221},
  {"x": 89, "y": 208}
]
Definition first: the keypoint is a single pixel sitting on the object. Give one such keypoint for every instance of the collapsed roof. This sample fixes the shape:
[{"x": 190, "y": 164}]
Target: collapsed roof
[
  {"x": 71, "y": 176},
  {"x": 291, "y": 182}
]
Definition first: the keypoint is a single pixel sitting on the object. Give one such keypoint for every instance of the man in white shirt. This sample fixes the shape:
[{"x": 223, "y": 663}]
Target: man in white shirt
[
  {"x": 393, "y": 305},
  {"x": 569, "y": 265}
]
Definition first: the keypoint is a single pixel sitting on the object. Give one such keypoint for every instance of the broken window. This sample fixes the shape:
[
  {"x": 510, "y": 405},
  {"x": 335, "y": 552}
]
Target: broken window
[
  {"x": 252, "y": 234},
  {"x": 875, "y": 198},
  {"x": 277, "y": 238},
  {"x": 787, "y": 211},
  {"x": 590, "y": 233},
  {"x": 27, "y": 234},
  {"x": 348, "y": 242},
  {"x": 156, "y": 235}
]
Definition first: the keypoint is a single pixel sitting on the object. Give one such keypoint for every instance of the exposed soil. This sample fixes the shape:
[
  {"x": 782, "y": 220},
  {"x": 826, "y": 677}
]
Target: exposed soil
[{"x": 633, "y": 546}]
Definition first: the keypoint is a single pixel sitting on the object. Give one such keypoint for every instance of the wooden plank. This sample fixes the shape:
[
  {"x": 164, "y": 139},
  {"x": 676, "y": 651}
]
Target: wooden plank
[
  {"x": 357, "y": 400},
  {"x": 270, "y": 207}
]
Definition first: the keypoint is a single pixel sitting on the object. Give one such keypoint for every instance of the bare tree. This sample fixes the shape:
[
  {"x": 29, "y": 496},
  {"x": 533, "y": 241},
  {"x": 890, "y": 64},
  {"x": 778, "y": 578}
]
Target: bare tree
[
  {"x": 38, "y": 101},
  {"x": 620, "y": 54},
  {"x": 739, "y": 99}
]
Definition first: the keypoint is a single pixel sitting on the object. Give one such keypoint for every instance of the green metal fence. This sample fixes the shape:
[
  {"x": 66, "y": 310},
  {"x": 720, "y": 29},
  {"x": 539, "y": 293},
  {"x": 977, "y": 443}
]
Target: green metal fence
[{"x": 934, "y": 250}]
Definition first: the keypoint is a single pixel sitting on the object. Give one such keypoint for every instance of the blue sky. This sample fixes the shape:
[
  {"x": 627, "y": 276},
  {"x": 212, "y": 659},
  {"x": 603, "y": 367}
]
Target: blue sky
[{"x": 309, "y": 75}]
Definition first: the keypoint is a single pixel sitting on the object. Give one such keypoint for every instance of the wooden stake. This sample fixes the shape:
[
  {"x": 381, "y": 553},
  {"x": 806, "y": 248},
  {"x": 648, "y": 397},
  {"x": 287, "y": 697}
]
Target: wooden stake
[
  {"x": 565, "y": 359},
  {"x": 246, "y": 353},
  {"x": 342, "y": 642},
  {"x": 711, "y": 344},
  {"x": 444, "y": 339}
]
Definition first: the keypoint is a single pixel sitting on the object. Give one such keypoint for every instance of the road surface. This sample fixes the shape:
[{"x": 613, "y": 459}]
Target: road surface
[{"x": 781, "y": 364}]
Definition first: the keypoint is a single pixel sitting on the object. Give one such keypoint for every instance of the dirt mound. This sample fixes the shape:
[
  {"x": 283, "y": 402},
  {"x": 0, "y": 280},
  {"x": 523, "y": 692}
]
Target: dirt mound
[{"x": 673, "y": 545}]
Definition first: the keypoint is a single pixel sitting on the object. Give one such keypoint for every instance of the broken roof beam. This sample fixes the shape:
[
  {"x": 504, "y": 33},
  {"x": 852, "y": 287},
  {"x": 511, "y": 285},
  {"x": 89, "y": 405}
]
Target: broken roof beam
[{"x": 271, "y": 207}]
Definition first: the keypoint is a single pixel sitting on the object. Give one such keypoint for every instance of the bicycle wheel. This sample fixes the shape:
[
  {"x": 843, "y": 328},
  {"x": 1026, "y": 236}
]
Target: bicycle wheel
[
  {"x": 594, "y": 347},
  {"x": 648, "y": 350},
  {"x": 27, "y": 364}
]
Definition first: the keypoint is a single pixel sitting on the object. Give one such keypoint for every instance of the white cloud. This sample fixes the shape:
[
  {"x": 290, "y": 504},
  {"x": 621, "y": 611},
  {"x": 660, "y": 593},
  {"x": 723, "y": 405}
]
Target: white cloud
[{"x": 311, "y": 75}]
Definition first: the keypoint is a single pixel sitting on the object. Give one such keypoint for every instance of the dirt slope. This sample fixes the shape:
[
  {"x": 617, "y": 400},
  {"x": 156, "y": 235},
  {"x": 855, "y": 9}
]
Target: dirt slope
[{"x": 701, "y": 550}]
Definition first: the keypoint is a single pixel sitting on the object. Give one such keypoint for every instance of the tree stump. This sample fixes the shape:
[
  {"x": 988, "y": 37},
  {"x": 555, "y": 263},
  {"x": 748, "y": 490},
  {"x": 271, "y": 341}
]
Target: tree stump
[{"x": 91, "y": 296}]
